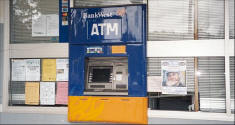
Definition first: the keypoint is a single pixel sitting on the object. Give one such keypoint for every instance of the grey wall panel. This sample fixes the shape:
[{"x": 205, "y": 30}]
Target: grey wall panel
[
  {"x": 232, "y": 67},
  {"x": 154, "y": 69},
  {"x": 170, "y": 20},
  {"x": 212, "y": 84},
  {"x": 231, "y": 19},
  {"x": 232, "y": 70},
  {"x": 210, "y": 19},
  {"x": 1, "y": 61},
  {"x": 81, "y": 3},
  {"x": 212, "y": 78}
]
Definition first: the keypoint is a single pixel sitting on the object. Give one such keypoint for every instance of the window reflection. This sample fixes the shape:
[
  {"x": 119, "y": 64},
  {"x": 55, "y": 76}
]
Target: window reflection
[{"x": 23, "y": 12}]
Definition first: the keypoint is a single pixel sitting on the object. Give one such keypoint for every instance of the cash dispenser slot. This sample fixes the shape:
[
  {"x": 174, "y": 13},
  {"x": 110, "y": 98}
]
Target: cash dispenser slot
[{"x": 106, "y": 76}]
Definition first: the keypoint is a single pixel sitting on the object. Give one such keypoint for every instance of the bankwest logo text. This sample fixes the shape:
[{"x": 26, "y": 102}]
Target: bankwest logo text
[{"x": 96, "y": 15}]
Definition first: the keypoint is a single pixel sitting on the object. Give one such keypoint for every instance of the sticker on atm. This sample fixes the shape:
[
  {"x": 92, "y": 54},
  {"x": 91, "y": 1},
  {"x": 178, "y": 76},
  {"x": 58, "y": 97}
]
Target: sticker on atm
[
  {"x": 118, "y": 49},
  {"x": 94, "y": 50},
  {"x": 64, "y": 23},
  {"x": 65, "y": 10},
  {"x": 64, "y": 1},
  {"x": 64, "y": 14},
  {"x": 64, "y": 5}
]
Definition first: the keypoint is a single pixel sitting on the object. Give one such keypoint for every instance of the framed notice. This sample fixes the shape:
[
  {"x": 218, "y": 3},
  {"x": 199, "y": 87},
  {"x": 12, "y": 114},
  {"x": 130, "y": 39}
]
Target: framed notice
[
  {"x": 32, "y": 69},
  {"x": 48, "y": 69},
  {"x": 18, "y": 70},
  {"x": 62, "y": 69},
  {"x": 47, "y": 93},
  {"x": 62, "y": 93},
  {"x": 32, "y": 93},
  {"x": 174, "y": 77}
]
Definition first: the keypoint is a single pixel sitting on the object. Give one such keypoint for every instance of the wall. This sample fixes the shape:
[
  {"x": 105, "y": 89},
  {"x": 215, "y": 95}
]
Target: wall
[
  {"x": 4, "y": 18},
  {"x": 1, "y": 53},
  {"x": 188, "y": 48},
  {"x": 1, "y": 63}
]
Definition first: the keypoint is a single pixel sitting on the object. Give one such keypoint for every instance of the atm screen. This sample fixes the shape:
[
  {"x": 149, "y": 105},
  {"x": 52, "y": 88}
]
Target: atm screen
[{"x": 100, "y": 74}]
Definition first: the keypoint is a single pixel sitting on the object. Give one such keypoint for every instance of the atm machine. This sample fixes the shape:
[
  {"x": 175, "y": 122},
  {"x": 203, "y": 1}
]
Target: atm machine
[{"x": 107, "y": 58}]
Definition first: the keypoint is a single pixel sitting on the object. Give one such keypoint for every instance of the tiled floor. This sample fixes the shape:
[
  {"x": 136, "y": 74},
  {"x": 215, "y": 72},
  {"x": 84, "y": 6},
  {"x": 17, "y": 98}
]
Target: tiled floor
[{"x": 19, "y": 118}]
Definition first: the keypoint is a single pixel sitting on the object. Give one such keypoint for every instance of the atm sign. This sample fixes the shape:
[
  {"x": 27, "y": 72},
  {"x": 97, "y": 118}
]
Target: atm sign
[{"x": 108, "y": 29}]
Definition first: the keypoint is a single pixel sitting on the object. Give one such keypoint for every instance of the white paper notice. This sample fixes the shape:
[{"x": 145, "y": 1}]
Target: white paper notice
[
  {"x": 39, "y": 26},
  {"x": 62, "y": 67},
  {"x": 47, "y": 93},
  {"x": 52, "y": 25},
  {"x": 33, "y": 70},
  {"x": 45, "y": 25},
  {"x": 154, "y": 83},
  {"x": 18, "y": 70}
]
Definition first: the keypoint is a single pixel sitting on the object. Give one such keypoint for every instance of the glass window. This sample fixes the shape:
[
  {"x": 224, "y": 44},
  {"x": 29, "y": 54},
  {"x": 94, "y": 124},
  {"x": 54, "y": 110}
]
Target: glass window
[
  {"x": 231, "y": 19},
  {"x": 211, "y": 19},
  {"x": 81, "y": 3},
  {"x": 170, "y": 19},
  {"x": 42, "y": 12}
]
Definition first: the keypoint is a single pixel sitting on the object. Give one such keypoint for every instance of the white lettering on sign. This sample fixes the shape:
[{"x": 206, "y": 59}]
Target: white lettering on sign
[
  {"x": 114, "y": 28},
  {"x": 95, "y": 30},
  {"x": 109, "y": 28},
  {"x": 97, "y": 15},
  {"x": 102, "y": 27}
]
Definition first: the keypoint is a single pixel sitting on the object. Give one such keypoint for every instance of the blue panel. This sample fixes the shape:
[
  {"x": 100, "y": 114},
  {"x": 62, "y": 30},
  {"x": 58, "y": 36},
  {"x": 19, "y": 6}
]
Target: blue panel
[
  {"x": 76, "y": 70},
  {"x": 136, "y": 67},
  {"x": 64, "y": 21},
  {"x": 106, "y": 25}
]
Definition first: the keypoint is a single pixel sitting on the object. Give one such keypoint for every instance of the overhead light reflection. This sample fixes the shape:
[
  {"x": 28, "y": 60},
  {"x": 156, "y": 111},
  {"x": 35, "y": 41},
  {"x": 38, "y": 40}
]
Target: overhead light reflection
[{"x": 198, "y": 73}]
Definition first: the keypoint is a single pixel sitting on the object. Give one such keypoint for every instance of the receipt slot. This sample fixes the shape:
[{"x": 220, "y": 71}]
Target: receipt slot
[{"x": 107, "y": 74}]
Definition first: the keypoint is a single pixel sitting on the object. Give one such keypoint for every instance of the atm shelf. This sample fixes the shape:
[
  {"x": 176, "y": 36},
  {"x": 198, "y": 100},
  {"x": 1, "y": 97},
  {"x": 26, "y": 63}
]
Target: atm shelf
[{"x": 105, "y": 93}]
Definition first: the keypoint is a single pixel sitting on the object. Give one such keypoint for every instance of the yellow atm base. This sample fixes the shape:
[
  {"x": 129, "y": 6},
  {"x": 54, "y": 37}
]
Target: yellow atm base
[{"x": 108, "y": 109}]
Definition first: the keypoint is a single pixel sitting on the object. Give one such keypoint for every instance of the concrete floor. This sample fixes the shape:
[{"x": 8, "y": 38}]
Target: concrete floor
[{"x": 20, "y": 118}]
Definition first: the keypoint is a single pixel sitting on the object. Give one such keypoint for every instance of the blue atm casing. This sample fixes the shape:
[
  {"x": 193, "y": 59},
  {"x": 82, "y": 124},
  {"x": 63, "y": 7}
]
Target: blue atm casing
[
  {"x": 103, "y": 28},
  {"x": 131, "y": 33}
]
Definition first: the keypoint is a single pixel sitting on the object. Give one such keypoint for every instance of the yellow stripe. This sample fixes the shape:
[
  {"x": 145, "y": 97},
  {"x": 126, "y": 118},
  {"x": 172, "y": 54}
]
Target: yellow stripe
[{"x": 108, "y": 109}]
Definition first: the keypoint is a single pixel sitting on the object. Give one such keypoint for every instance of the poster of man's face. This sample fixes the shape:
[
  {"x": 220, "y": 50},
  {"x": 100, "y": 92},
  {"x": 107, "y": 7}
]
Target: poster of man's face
[{"x": 173, "y": 78}]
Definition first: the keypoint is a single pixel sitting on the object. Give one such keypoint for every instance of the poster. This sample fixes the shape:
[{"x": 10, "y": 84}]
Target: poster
[
  {"x": 32, "y": 69},
  {"x": 47, "y": 93},
  {"x": 45, "y": 25},
  {"x": 48, "y": 69},
  {"x": 62, "y": 69},
  {"x": 62, "y": 93},
  {"x": 18, "y": 70},
  {"x": 32, "y": 93},
  {"x": 154, "y": 83},
  {"x": 52, "y": 28},
  {"x": 39, "y": 26},
  {"x": 174, "y": 77}
]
